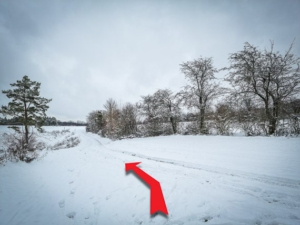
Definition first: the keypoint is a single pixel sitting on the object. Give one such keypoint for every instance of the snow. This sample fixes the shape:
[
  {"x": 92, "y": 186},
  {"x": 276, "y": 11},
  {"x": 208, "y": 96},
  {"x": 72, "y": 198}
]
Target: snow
[{"x": 205, "y": 180}]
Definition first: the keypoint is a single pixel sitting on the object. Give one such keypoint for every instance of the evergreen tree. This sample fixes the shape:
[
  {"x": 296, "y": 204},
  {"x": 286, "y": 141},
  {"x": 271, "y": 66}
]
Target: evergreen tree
[
  {"x": 95, "y": 122},
  {"x": 26, "y": 106}
]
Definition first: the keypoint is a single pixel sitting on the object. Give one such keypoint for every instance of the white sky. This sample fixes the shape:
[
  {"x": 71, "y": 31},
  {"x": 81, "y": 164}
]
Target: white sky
[{"x": 84, "y": 52}]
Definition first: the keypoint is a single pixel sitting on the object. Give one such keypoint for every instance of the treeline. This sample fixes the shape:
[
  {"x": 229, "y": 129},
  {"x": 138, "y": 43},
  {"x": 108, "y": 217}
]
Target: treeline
[
  {"x": 48, "y": 121},
  {"x": 263, "y": 99}
]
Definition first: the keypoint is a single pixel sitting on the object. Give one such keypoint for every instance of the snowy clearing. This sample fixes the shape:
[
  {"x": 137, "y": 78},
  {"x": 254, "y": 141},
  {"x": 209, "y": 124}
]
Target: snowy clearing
[{"x": 205, "y": 180}]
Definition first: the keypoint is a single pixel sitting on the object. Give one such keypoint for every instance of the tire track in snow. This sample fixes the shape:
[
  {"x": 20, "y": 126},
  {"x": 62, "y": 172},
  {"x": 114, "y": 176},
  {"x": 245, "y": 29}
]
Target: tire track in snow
[
  {"x": 264, "y": 195},
  {"x": 278, "y": 181}
]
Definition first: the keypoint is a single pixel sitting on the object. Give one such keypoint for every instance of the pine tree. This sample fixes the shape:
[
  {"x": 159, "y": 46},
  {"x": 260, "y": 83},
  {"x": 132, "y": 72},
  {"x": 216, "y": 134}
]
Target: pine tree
[{"x": 26, "y": 106}]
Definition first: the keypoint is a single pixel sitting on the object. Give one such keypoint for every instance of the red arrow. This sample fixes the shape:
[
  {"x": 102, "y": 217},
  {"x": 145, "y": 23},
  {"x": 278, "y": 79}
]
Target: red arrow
[{"x": 157, "y": 201}]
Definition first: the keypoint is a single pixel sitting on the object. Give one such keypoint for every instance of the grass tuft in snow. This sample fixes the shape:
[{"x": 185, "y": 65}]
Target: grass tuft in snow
[{"x": 13, "y": 147}]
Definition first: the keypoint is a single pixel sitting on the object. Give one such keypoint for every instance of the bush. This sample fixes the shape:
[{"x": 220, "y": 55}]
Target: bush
[
  {"x": 69, "y": 142},
  {"x": 15, "y": 147}
]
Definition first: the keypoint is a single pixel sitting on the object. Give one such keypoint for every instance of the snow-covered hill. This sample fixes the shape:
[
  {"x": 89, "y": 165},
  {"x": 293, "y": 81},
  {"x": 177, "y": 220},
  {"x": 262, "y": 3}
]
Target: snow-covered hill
[{"x": 205, "y": 180}]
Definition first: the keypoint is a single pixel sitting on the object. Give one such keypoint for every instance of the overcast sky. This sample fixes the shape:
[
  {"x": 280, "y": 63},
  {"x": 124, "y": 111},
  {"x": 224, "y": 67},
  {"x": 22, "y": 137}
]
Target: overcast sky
[{"x": 84, "y": 52}]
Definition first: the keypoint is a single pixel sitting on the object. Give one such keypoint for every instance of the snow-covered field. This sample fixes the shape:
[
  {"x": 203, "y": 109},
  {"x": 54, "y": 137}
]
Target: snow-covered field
[{"x": 205, "y": 180}]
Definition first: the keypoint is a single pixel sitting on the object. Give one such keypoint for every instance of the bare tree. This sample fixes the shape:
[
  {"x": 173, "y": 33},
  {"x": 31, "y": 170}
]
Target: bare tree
[
  {"x": 248, "y": 113},
  {"x": 128, "y": 119},
  {"x": 223, "y": 118},
  {"x": 168, "y": 107},
  {"x": 269, "y": 76},
  {"x": 150, "y": 110},
  {"x": 291, "y": 118},
  {"x": 112, "y": 114},
  {"x": 202, "y": 89}
]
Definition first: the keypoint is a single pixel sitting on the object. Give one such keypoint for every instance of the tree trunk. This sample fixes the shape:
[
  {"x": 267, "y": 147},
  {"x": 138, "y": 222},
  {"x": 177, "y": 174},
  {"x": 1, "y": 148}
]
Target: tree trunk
[
  {"x": 272, "y": 118},
  {"x": 26, "y": 125},
  {"x": 173, "y": 122},
  {"x": 201, "y": 115},
  {"x": 272, "y": 126},
  {"x": 202, "y": 128},
  {"x": 26, "y": 135}
]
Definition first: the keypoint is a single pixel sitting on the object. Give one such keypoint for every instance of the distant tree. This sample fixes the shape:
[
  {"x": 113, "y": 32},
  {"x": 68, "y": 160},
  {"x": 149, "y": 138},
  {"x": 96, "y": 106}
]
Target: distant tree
[
  {"x": 271, "y": 77},
  {"x": 50, "y": 121},
  {"x": 248, "y": 113},
  {"x": 223, "y": 118},
  {"x": 95, "y": 122},
  {"x": 168, "y": 107},
  {"x": 128, "y": 120},
  {"x": 291, "y": 117},
  {"x": 150, "y": 110},
  {"x": 111, "y": 116},
  {"x": 202, "y": 89},
  {"x": 26, "y": 106},
  {"x": 71, "y": 123}
]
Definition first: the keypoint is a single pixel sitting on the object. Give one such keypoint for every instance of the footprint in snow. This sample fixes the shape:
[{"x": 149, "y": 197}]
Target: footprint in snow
[
  {"x": 206, "y": 218},
  {"x": 71, "y": 215},
  {"x": 71, "y": 182},
  {"x": 61, "y": 203}
]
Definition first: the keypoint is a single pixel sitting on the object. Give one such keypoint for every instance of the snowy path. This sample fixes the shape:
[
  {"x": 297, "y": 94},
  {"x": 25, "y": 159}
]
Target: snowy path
[
  {"x": 223, "y": 171},
  {"x": 88, "y": 184}
]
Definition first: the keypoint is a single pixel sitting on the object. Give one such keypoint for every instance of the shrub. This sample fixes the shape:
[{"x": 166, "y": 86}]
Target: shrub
[{"x": 15, "y": 147}]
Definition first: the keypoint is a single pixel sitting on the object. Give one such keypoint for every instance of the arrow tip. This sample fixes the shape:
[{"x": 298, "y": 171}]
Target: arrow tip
[{"x": 130, "y": 166}]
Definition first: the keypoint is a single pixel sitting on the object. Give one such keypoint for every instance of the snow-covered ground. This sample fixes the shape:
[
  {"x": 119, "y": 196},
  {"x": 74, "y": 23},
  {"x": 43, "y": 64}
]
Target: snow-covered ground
[{"x": 205, "y": 180}]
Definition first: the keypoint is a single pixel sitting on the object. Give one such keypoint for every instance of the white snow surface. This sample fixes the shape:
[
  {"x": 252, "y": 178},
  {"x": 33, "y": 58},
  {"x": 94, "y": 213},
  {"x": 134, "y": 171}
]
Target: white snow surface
[{"x": 205, "y": 180}]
